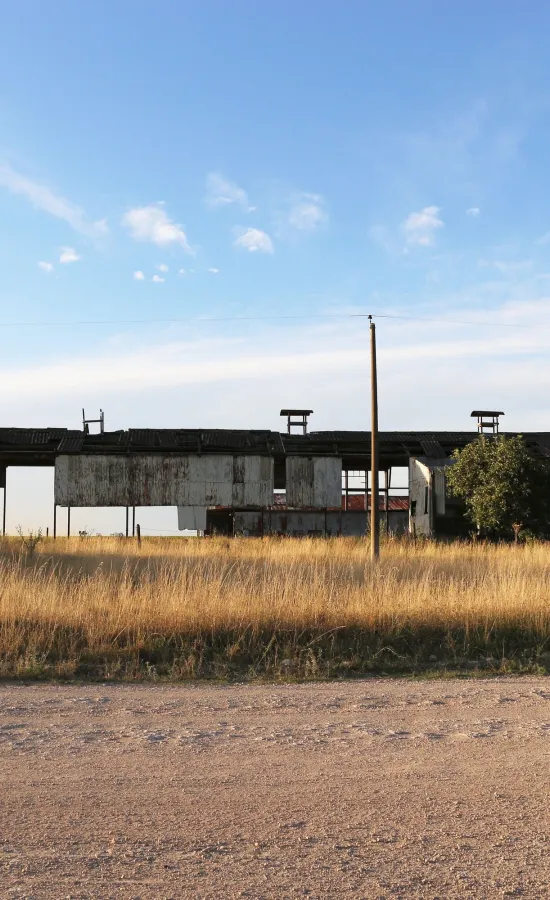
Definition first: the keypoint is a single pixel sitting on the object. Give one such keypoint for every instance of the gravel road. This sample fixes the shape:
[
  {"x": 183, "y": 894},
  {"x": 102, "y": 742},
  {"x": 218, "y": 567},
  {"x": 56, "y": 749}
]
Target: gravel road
[{"x": 371, "y": 789}]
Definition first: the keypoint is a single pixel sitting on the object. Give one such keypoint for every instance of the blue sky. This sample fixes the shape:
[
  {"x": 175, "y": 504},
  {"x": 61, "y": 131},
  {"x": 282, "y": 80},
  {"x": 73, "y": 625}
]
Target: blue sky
[{"x": 173, "y": 160}]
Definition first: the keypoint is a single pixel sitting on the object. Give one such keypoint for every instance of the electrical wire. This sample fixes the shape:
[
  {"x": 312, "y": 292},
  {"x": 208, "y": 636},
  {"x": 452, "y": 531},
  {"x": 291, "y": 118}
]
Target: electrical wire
[{"x": 305, "y": 316}]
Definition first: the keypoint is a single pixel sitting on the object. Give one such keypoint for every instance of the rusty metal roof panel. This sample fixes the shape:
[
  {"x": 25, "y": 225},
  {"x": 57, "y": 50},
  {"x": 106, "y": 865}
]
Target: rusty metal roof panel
[
  {"x": 167, "y": 439},
  {"x": 144, "y": 437},
  {"x": 109, "y": 440},
  {"x": 71, "y": 442},
  {"x": 432, "y": 448},
  {"x": 235, "y": 440},
  {"x": 31, "y": 436}
]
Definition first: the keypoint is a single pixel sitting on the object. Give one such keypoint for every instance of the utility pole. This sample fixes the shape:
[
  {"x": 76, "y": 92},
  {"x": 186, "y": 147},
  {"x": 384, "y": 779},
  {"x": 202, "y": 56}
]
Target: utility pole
[{"x": 374, "y": 493}]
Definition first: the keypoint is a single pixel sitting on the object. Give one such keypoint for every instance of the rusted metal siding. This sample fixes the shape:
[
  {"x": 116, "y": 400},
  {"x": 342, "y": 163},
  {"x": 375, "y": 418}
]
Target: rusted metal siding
[
  {"x": 314, "y": 481},
  {"x": 163, "y": 480},
  {"x": 310, "y": 522}
]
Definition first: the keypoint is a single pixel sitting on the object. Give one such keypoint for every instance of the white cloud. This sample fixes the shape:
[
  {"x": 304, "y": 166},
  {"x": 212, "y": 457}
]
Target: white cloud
[
  {"x": 474, "y": 211},
  {"x": 222, "y": 192},
  {"x": 43, "y": 198},
  {"x": 158, "y": 279},
  {"x": 420, "y": 227},
  {"x": 213, "y": 270},
  {"x": 253, "y": 239},
  {"x": 46, "y": 266},
  {"x": 139, "y": 276},
  {"x": 68, "y": 255},
  {"x": 181, "y": 272},
  {"x": 152, "y": 224},
  {"x": 162, "y": 267},
  {"x": 308, "y": 212},
  {"x": 460, "y": 367}
]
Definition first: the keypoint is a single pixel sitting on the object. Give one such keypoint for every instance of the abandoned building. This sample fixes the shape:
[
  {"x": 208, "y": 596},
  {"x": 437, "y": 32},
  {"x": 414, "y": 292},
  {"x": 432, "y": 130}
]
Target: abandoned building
[{"x": 252, "y": 482}]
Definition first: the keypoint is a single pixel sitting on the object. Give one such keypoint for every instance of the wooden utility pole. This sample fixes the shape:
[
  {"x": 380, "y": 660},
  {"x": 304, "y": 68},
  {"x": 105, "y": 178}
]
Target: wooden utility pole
[{"x": 374, "y": 492}]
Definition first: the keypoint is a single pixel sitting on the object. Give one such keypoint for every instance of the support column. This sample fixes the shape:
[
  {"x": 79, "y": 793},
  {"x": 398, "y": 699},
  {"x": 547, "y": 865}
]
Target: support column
[
  {"x": 54, "y": 521},
  {"x": 346, "y": 482},
  {"x": 68, "y": 521},
  {"x": 127, "y": 516},
  {"x": 374, "y": 511},
  {"x": 4, "y": 510},
  {"x": 387, "y": 485},
  {"x": 133, "y": 521}
]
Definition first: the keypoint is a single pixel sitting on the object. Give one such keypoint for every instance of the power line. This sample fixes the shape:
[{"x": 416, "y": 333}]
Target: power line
[{"x": 305, "y": 316}]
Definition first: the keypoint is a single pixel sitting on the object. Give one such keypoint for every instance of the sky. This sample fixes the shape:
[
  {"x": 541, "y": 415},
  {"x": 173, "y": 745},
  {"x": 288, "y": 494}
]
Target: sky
[{"x": 281, "y": 169}]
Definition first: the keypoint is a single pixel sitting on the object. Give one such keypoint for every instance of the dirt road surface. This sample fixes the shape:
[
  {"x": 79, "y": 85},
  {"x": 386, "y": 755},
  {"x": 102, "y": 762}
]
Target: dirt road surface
[{"x": 372, "y": 789}]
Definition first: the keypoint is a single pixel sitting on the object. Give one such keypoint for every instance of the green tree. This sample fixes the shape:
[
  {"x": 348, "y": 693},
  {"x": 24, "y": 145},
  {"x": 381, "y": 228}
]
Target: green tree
[{"x": 503, "y": 486}]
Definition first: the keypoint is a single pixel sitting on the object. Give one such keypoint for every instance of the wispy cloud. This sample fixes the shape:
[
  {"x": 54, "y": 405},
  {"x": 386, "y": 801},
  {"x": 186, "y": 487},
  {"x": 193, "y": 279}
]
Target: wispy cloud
[
  {"x": 158, "y": 279},
  {"x": 46, "y": 266},
  {"x": 139, "y": 276},
  {"x": 253, "y": 240},
  {"x": 221, "y": 191},
  {"x": 153, "y": 225},
  {"x": 473, "y": 211},
  {"x": 381, "y": 235},
  {"x": 420, "y": 227},
  {"x": 68, "y": 255},
  {"x": 162, "y": 267},
  {"x": 460, "y": 367},
  {"x": 181, "y": 272},
  {"x": 507, "y": 266},
  {"x": 45, "y": 199},
  {"x": 213, "y": 270},
  {"x": 307, "y": 212}
]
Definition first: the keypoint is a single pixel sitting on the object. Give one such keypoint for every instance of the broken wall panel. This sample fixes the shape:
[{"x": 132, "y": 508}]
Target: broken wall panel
[
  {"x": 192, "y": 518},
  {"x": 162, "y": 480},
  {"x": 314, "y": 481}
]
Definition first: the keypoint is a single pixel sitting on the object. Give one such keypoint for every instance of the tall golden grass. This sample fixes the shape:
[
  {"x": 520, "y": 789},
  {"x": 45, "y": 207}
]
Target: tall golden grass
[{"x": 244, "y": 607}]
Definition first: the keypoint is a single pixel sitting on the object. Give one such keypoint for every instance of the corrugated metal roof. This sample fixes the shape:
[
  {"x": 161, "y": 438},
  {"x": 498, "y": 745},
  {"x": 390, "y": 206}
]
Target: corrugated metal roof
[
  {"x": 31, "y": 436},
  {"x": 432, "y": 448},
  {"x": 71, "y": 442},
  {"x": 43, "y": 444}
]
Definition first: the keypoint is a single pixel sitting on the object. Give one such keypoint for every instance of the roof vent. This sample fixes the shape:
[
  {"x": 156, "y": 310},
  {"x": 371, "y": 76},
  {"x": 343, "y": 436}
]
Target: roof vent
[
  {"x": 487, "y": 420},
  {"x": 296, "y": 418}
]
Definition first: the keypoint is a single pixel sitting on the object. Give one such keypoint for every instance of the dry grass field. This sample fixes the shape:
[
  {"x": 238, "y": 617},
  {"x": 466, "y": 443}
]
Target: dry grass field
[{"x": 176, "y": 609}]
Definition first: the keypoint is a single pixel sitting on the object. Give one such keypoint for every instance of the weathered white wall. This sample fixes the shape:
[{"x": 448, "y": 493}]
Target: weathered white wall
[
  {"x": 419, "y": 482},
  {"x": 252, "y": 481},
  {"x": 427, "y": 473},
  {"x": 314, "y": 481},
  {"x": 158, "y": 480}
]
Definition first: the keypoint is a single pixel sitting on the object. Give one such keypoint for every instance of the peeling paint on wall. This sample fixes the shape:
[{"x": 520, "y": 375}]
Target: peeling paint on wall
[
  {"x": 314, "y": 481},
  {"x": 163, "y": 480}
]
